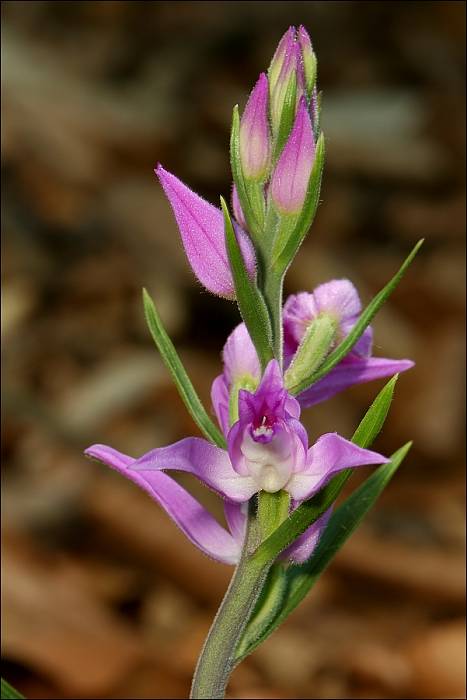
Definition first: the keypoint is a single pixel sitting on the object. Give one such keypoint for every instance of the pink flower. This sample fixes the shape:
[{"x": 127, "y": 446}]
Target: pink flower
[
  {"x": 267, "y": 450},
  {"x": 338, "y": 298}
]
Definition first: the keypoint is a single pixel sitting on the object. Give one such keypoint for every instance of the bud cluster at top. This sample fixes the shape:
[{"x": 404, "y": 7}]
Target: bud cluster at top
[{"x": 279, "y": 126}]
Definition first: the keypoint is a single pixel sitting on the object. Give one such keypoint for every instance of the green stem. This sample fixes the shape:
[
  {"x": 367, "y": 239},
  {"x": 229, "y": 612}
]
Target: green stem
[
  {"x": 273, "y": 297},
  {"x": 217, "y": 659}
]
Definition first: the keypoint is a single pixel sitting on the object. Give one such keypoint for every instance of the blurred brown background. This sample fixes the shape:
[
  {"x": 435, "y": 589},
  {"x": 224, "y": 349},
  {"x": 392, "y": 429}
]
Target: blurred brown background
[{"x": 102, "y": 596}]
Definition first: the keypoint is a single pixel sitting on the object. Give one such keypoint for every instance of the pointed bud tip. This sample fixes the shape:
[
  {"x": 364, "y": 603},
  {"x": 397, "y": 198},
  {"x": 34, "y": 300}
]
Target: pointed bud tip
[
  {"x": 160, "y": 171},
  {"x": 201, "y": 227},
  {"x": 303, "y": 35}
]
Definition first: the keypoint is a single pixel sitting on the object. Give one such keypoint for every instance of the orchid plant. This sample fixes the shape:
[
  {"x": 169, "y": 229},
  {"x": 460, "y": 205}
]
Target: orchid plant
[{"x": 278, "y": 490}]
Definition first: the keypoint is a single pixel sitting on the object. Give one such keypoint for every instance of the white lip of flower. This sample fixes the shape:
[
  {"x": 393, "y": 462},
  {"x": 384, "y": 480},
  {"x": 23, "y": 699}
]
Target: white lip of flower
[
  {"x": 262, "y": 431},
  {"x": 269, "y": 464}
]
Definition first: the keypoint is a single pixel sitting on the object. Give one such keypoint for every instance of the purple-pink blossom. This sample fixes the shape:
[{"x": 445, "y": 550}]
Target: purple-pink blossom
[
  {"x": 267, "y": 449},
  {"x": 201, "y": 227}
]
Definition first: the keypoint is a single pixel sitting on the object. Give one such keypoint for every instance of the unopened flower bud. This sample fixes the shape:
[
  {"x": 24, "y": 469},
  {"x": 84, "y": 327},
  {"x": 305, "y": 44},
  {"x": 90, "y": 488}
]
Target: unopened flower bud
[
  {"x": 289, "y": 181},
  {"x": 255, "y": 146},
  {"x": 308, "y": 58},
  {"x": 287, "y": 80},
  {"x": 201, "y": 227},
  {"x": 292, "y": 73},
  {"x": 283, "y": 49},
  {"x": 313, "y": 349}
]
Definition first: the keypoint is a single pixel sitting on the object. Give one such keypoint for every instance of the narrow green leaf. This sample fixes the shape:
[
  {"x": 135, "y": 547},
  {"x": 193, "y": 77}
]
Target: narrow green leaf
[
  {"x": 286, "y": 247},
  {"x": 309, "y": 511},
  {"x": 8, "y": 691},
  {"x": 300, "y": 579},
  {"x": 266, "y": 610},
  {"x": 181, "y": 379},
  {"x": 363, "y": 322},
  {"x": 250, "y": 301},
  {"x": 375, "y": 417},
  {"x": 341, "y": 525}
]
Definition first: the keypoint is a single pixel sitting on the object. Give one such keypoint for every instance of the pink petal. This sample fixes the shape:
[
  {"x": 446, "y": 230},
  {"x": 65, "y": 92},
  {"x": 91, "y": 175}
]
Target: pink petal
[
  {"x": 210, "y": 464},
  {"x": 339, "y": 297},
  {"x": 304, "y": 546},
  {"x": 236, "y": 515},
  {"x": 237, "y": 208},
  {"x": 330, "y": 454},
  {"x": 299, "y": 311},
  {"x": 192, "y": 518},
  {"x": 220, "y": 402},
  {"x": 349, "y": 372},
  {"x": 240, "y": 356}
]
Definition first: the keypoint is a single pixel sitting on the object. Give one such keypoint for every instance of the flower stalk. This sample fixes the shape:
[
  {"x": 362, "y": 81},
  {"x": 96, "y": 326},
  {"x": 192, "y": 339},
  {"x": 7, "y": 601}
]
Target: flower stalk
[{"x": 218, "y": 656}]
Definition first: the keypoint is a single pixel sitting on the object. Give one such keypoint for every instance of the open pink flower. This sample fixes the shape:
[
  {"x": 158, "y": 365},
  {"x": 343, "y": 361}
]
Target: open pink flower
[{"x": 267, "y": 449}]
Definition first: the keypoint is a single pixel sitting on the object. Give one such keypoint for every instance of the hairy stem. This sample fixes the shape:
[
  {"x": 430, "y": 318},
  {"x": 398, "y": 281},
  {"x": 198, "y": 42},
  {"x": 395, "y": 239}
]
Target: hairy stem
[
  {"x": 217, "y": 658},
  {"x": 273, "y": 297}
]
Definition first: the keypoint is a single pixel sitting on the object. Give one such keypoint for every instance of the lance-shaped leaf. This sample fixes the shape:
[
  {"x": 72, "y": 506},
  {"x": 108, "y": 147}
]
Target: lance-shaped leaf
[
  {"x": 300, "y": 579},
  {"x": 357, "y": 331},
  {"x": 311, "y": 510},
  {"x": 181, "y": 379},
  {"x": 250, "y": 301},
  {"x": 9, "y": 692}
]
